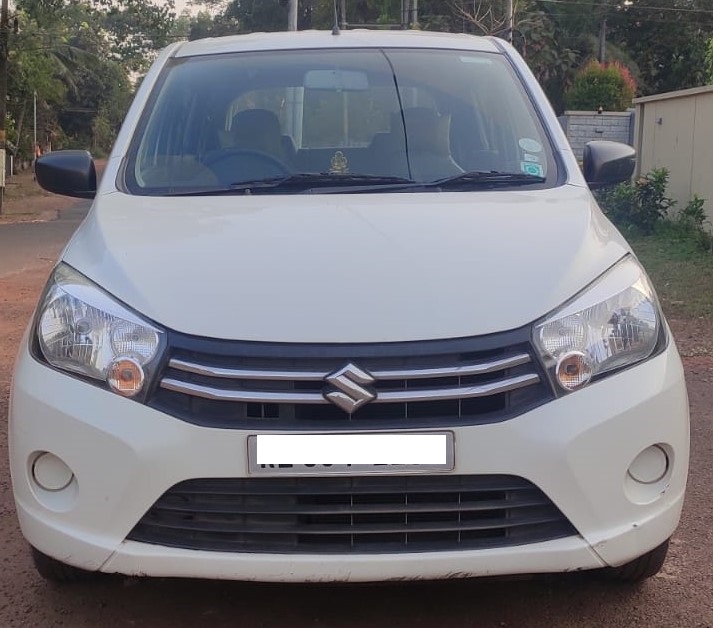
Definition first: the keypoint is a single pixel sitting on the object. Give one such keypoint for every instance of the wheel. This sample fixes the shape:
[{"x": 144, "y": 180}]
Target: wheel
[
  {"x": 55, "y": 571},
  {"x": 235, "y": 165},
  {"x": 640, "y": 568}
]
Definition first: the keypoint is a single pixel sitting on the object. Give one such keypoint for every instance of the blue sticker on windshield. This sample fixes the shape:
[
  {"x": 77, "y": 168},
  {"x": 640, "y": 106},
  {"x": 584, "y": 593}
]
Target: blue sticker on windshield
[{"x": 534, "y": 169}]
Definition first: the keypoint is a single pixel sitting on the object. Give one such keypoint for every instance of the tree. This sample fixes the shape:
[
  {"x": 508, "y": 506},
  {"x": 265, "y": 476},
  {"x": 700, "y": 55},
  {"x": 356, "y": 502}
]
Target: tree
[
  {"x": 77, "y": 55},
  {"x": 605, "y": 85},
  {"x": 667, "y": 39}
]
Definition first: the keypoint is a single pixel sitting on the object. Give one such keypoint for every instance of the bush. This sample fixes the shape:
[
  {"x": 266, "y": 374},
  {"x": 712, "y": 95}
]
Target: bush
[
  {"x": 642, "y": 208},
  {"x": 609, "y": 86},
  {"x": 639, "y": 206},
  {"x": 690, "y": 224}
]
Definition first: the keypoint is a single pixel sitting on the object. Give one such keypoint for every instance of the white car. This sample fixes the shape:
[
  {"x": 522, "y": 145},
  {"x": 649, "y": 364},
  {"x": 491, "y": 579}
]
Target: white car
[{"x": 345, "y": 309}]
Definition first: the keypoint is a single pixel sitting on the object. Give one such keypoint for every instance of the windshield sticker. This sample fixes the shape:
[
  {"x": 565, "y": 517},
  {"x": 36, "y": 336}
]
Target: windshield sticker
[
  {"x": 530, "y": 145},
  {"x": 534, "y": 169},
  {"x": 531, "y": 158}
]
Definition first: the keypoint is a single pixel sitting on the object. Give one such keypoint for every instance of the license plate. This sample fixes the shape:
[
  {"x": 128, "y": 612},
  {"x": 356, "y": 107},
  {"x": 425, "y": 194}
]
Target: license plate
[{"x": 350, "y": 454}]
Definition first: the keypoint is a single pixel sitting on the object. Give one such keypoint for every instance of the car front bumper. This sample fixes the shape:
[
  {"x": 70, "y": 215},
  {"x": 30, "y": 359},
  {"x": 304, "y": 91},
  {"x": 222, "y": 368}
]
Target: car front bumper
[{"x": 577, "y": 449}]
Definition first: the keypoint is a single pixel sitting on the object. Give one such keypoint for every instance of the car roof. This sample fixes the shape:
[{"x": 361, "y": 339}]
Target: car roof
[{"x": 345, "y": 39}]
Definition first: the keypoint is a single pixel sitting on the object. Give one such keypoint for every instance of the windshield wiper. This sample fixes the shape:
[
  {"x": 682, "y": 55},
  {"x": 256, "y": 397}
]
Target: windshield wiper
[
  {"x": 304, "y": 182},
  {"x": 234, "y": 188},
  {"x": 487, "y": 179},
  {"x": 476, "y": 179},
  {"x": 325, "y": 183}
]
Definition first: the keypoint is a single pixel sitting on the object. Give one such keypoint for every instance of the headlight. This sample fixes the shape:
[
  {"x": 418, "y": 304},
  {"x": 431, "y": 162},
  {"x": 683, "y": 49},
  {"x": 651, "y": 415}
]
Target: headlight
[
  {"x": 80, "y": 328},
  {"x": 614, "y": 323}
]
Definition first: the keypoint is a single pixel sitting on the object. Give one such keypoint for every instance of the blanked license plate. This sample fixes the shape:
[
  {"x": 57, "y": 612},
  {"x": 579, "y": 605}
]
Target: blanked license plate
[{"x": 350, "y": 454}]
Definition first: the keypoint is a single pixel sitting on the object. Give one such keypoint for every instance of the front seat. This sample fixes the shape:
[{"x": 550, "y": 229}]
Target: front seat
[
  {"x": 259, "y": 130},
  {"x": 428, "y": 144}
]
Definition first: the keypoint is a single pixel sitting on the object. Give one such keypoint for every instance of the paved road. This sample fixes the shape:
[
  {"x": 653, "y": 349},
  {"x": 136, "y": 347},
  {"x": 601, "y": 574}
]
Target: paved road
[{"x": 26, "y": 245}]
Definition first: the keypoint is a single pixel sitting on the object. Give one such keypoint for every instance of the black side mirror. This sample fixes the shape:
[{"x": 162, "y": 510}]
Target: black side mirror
[
  {"x": 67, "y": 172},
  {"x": 607, "y": 163}
]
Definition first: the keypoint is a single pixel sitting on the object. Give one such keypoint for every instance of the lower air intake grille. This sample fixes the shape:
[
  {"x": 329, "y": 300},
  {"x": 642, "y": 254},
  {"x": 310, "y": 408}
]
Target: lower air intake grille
[{"x": 369, "y": 514}]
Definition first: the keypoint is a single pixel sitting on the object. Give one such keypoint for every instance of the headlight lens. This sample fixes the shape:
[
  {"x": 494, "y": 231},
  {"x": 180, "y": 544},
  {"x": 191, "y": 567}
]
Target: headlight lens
[
  {"x": 82, "y": 329},
  {"x": 615, "y": 322}
]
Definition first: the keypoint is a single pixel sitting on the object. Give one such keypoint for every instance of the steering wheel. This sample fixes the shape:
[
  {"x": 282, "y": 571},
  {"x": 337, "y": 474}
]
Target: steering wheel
[{"x": 245, "y": 164}]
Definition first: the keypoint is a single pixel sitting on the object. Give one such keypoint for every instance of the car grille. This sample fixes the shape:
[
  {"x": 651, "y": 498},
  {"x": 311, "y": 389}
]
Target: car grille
[
  {"x": 420, "y": 384},
  {"x": 352, "y": 514}
]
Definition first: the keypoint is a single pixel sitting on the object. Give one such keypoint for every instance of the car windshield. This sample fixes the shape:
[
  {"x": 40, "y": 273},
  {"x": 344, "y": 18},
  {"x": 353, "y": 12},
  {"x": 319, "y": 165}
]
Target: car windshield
[{"x": 297, "y": 121}]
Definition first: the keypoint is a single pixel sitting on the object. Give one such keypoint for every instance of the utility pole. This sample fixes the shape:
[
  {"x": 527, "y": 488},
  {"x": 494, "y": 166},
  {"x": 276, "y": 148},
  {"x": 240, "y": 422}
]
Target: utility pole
[
  {"x": 4, "y": 39},
  {"x": 34, "y": 124},
  {"x": 603, "y": 41},
  {"x": 409, "y": 13},
  {"x": 343, "y": 8},
  {"x": 291, "y": 16},
  {"x": 509, "y": 25}
]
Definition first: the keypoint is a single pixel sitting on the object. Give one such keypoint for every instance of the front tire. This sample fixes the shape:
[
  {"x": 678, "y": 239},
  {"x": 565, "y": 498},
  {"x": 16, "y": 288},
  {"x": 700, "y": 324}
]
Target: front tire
[
  {"x": 640, "y": 568},
  {"x": 56, "y": 571}
]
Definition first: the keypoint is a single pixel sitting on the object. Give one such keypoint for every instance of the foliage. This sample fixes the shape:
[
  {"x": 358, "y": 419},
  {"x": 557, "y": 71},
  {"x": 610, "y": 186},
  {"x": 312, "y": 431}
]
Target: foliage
[
  {"x": 136, "y": 29},
  {"x": 709, "y": 61},
  {"x": 606, "y": 85},
  {"x": 691, "y": 224},
  {"x": 78, "y": 56},
  {"x": 640, "y": 206},
  {"x": 667, "y": 39}
]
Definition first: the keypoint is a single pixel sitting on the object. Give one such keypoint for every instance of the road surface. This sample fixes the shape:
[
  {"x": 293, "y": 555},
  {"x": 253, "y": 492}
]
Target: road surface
[{"x": 27, "y": 245}]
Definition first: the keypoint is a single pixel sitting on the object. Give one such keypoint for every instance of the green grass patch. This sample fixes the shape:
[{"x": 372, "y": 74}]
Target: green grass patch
[{"x": 681, "y": 269}]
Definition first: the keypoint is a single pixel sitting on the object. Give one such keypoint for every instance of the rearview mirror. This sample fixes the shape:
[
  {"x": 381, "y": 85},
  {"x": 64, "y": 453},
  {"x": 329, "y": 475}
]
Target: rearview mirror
[
  {"x": 336, "y": 80},
  {"x": 67, "y": 172},
  {"x": 607, "y": 163}
]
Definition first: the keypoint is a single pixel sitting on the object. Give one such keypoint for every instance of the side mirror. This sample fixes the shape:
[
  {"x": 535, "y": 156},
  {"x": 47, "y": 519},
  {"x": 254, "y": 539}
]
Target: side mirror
[
  {"x": 608, "y": 163},
  {"x": 67, "y": 172}
]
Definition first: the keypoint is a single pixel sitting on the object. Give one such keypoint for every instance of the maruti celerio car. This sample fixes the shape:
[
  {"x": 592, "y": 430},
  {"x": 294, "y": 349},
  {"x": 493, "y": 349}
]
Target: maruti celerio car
[{"x": 345, "y": 309}]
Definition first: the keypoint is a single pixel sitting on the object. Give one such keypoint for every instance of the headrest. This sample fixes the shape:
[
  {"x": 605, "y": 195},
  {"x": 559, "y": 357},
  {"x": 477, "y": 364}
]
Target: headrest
[
  {"x": 258, "y": 129},
  {"x": 426, "y": 129}
]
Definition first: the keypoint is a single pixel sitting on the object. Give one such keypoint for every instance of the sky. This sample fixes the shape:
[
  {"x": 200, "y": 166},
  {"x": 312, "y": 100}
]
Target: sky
[{"x": 183, "y": 4}]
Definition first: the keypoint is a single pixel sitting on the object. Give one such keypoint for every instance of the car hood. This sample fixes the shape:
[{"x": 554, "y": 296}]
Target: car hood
[{"x": 346, "y": 268}]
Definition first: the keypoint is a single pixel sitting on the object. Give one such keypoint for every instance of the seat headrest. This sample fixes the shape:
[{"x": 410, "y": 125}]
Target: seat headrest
[
  {"x": 257, "y": 129},
  {"x": 426, "y": 129}
]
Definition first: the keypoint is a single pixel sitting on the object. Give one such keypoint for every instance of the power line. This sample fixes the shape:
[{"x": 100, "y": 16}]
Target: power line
[{"x": 631, "y": 7}]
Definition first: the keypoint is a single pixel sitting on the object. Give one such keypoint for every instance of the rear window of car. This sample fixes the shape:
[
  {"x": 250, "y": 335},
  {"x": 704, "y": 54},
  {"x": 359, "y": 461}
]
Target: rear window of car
[{"x": 413, "y": 114}]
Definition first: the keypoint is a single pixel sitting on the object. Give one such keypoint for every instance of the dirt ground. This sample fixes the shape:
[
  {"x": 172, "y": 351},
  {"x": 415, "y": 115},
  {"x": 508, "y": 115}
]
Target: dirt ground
[
  {"x": 25, "y": 201},
  {"x": 682, "y": 595}
]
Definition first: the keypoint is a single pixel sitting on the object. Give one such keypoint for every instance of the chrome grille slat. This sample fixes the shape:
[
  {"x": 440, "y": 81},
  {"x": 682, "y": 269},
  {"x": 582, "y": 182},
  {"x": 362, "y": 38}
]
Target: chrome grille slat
[
  {"x": 247, "y": 396},
  {"x": 249, "y": 385},
  {"x": 229, "y": 373},
  {"x": 411, "y": 395},
  {"x": 479, "y": 368},
  {"x": 462, "y": 392}
]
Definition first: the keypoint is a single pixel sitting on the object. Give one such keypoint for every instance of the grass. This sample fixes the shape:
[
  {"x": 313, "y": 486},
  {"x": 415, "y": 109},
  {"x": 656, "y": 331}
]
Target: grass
[{"x": 681, "y": 270}]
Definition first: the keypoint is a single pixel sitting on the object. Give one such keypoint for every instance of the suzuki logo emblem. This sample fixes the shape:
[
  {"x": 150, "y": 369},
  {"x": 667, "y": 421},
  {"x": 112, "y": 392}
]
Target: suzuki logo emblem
[{"x": 351, "y": 393}]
